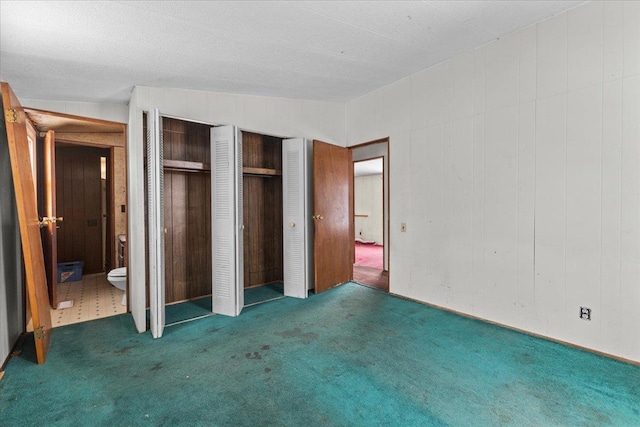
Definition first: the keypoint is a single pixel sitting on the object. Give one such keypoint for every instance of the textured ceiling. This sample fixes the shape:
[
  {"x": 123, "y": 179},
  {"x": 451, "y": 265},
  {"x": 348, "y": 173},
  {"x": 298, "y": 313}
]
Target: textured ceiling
[{"x": 96, "y": 51}]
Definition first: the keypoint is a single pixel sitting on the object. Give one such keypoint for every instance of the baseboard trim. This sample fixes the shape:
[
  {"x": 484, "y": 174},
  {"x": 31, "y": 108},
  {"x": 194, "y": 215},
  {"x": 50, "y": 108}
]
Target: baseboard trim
[{"x": 523, "y": 331}]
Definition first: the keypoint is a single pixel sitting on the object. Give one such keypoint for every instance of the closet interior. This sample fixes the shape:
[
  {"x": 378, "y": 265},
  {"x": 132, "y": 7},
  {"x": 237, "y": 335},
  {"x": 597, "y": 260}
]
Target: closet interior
[
  {"x": 187, "y": 210},
  {"x": 262, "y": 207}
]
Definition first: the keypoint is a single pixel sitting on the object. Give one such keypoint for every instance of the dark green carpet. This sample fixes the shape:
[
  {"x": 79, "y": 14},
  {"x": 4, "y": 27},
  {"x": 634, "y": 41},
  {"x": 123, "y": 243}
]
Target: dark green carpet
[
  {"x": 353, "y": 356},
  {"x": 174, "y": 313},
  {"x": 196, "y": 308},
  {"x": 263, "y": 293}
]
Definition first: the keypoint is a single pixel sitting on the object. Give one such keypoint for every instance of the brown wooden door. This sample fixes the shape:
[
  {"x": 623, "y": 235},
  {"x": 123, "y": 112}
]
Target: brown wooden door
[
  {"x": 79, "y": 202},
  {"x": 333, "y": 236},
  {"x": 48, "y": 209},
  {"x": 15, "y": 122}
]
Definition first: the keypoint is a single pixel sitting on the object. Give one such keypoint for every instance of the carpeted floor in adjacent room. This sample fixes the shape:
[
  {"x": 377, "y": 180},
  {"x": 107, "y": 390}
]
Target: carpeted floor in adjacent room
[
  {"x": 352, "y": 356},
  {"x": 369, "y": 255},
  {"x": 371, "y": 277}
]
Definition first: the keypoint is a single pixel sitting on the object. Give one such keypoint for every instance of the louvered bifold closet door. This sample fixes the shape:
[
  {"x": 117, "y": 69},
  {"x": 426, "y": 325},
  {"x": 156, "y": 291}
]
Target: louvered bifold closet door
[
  {"x": 226, "y": 221},
  {"x": 296, "y": 224},
  {"x": 155, "y": 199}
]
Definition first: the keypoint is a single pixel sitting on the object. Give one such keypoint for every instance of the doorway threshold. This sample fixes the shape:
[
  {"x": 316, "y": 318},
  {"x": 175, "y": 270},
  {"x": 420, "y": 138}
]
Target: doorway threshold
[
  {"x": 180, "y": 322},
  {"x": 263, "y": 301}
]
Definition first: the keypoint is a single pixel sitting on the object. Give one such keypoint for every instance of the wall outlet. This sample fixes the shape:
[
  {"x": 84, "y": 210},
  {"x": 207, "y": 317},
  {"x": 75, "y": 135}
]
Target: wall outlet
[
  {"x": 403, "y": 227},
  {"x": 585, "y": 313}
]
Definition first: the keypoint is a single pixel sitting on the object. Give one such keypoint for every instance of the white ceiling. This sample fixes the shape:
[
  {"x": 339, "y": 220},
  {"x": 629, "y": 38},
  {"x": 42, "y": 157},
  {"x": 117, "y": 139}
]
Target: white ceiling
[{"x": 96, "y": 51}]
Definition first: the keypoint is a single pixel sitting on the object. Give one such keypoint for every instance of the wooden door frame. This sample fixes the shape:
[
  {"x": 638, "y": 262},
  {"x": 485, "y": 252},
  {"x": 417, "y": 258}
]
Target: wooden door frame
[
  {"x": 111, "y": 210},
  {"x": 45, "y": 148},
  {"x": 110, "y": 244},
  {"x": 386, "y": 197}
]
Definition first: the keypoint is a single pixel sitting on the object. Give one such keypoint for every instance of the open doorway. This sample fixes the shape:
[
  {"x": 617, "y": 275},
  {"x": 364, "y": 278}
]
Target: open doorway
[
  {"x": 87, "y": 190},
  {"x": 370, "y": 215}
]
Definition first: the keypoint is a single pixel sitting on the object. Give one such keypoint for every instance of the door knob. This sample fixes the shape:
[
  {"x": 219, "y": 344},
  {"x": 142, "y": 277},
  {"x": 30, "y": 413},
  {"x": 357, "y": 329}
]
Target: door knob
[
  {"x": 45, "y": 221},
  {"x": 293, "y": 224}
]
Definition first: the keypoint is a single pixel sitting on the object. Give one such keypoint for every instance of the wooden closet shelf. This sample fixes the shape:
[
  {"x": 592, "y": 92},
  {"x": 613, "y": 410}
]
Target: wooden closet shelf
[
  {"x": 261, "y": 171},
  {"x": 186, "y": 166}
]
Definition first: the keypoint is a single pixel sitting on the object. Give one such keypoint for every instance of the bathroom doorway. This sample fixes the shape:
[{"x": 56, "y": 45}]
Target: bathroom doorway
[
  {"x": 90, "y": 190},
  {"x": 81, "y": 201}
]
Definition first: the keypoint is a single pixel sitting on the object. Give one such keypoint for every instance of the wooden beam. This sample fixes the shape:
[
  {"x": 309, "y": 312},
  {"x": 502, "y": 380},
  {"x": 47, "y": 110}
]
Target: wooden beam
[{"x": 93, "y": 138}]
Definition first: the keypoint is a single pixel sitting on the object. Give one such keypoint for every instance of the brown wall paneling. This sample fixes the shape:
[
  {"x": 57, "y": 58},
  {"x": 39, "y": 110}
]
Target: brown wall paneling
[
  {"x": 263, "y": 230},
  {"x": 79, "y": 202},
  {"x": 187, "y": 211},
  {"x": 261, "y": 151},
  {"x": 198, "y": 234},
  {"x": 169, "y": 254},
  {"x": 195, "y": 149},
  {"x": 109, "y": 261},
  {"x": 116, "y": 177},
  {"x": 262, "y": 205}
]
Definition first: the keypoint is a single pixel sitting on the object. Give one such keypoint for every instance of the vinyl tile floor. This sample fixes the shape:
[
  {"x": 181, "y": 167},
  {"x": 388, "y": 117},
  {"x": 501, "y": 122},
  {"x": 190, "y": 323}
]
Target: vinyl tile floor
[{"x": 93, "y": 298}]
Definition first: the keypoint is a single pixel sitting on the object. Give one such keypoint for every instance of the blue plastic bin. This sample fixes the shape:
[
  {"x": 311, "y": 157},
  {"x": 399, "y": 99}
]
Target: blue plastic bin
[{"x": 70, "y": 271}]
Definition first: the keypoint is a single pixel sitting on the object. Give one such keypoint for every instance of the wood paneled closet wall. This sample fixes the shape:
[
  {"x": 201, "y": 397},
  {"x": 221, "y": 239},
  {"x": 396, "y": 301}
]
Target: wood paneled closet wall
[
  {"x": 79, "y": 202},
  {"x": 187, "y": 209},
  {"x": 262, "y": 206}
]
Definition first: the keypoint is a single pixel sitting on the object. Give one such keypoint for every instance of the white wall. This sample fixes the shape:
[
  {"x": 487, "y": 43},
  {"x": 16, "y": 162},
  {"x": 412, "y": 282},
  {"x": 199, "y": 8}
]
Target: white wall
[
  {"x": 270, "y": 116},
  {"x": 368, "y": 201},
  {"x": 516, "y": 167}
]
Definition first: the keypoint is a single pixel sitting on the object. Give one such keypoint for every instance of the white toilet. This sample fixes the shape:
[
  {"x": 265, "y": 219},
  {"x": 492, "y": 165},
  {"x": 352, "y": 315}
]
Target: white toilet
[{"x": 118, "y": 278}]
